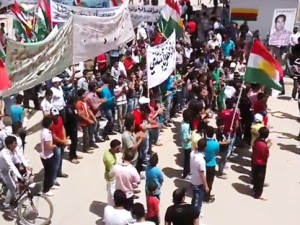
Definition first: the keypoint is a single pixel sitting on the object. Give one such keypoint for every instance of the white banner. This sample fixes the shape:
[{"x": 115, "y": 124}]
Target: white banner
[
  {"x": 30, "y": 64},
  {"x": 97, "y": 35},
  {"x": 161, "y": 61},
  {"x": 61, "y": 12}
]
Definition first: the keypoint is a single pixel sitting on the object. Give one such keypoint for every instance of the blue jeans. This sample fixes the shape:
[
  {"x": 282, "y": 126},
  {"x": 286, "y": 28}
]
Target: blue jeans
[
  {"x": 57, "y": 159},
  {"x": 154, "y": 132},
  {"x": 131, "y": 104},
  {"x": 198, "y": 196},
  {"x": 110, "y": 116},
  {"x": 168, "y": 106},
  {"x": 143, "y": 151},
  {"x": 231, "y": 145}
]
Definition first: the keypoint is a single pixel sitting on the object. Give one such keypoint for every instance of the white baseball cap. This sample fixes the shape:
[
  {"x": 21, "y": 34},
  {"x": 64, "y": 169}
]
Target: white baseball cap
[
  {"x": 144, "y": 100},
  {"x": 56, "y": 79},
  {"x": 258, "y": 118}
]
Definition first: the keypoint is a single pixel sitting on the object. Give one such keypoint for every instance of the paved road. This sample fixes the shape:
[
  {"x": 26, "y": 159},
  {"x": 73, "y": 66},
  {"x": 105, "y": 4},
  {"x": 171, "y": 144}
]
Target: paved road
[{"x": 82, "y": 196}]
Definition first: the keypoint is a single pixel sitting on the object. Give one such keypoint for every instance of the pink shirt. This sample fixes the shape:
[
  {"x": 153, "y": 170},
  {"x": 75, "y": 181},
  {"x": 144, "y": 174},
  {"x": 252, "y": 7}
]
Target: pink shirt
[{"x": 125, "y": 176}]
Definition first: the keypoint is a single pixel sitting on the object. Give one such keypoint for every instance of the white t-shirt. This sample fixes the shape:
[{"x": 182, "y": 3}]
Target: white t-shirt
[
  {"x": 58, "y": 100},
  {"x": 143, "y": 223},
  {"x": 114, "y": 216},
  {"x": 46, "y": 106},
  {"x": 122, "y": 68},
  {"x": 121, "y": 100},
  {"x": 197, "y": 165},
  {"x": 211, "y": 44},
  {"x": 46, "y": 136},
  {"x": 294, "y": 38},
  {"x": 219, "y": 38},
  {"x": 188, "y": 52}
]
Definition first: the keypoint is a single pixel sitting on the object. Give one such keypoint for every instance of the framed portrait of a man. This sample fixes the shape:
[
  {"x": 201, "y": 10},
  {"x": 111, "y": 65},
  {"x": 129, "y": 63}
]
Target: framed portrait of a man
[{"x": 282, "y": 27}]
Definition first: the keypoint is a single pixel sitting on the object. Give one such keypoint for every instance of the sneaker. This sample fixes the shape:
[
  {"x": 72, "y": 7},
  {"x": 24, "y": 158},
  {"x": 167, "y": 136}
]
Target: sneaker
[
  {"x": 54, "y": 187},
  {"x": 49, "y": 194}
]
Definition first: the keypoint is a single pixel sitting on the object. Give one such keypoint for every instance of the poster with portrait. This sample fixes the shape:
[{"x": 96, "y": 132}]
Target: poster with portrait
[{"x": 282, "y": 27}]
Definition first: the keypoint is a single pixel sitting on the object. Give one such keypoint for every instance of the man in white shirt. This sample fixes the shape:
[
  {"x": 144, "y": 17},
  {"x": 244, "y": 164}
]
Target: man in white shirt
[
  {"x": 9, "y": 171},
  {"x": 115, "y": 71},
  {"x": 141, "y": 32},
  {"x": 117, "y": 215},
  {"x": 198, "y": 177},
  {"x": 211, "y": 44},
  {"x": 188, "y": 51},
  {"x": 83, "y": 82},
  {"x": 295, "y": 36},
  {"x": 121, "y": 64},
  {"x": 58, "y": 100}
]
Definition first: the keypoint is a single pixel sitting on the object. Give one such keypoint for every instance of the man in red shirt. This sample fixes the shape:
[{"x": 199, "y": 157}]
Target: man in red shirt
[
  {"x": 260, "y": 155},
  {"x": 231, "y": 118},
  {"x": 102, "y": 60},
  {"x": 141, "y": 125},
  {"x": 260, "y": 106},
  {"x": 192, "y": 29},
  {"x": 60, "y": 140},
  {"x": 128, "y": 61}
]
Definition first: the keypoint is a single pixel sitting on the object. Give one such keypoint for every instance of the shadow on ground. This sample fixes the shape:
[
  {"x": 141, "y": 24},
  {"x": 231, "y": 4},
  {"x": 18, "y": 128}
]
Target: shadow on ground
[
  {"x": 290, "y": 148},
  {"x": 171, "y": 172},
  {"x": 284, "y": 115},
  {"x": 242, "y": 189},
  {"x": 97, "y": 208}
]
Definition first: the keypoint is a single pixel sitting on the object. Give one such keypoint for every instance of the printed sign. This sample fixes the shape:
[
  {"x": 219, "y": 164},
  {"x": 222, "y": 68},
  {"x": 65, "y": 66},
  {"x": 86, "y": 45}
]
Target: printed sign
[
  {"x": 161, "y": 61},
  {"x": 282, "y": 27}
]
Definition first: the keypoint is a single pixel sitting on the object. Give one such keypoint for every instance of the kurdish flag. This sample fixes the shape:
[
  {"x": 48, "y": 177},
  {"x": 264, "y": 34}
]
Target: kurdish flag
[
  {"x": 263, "y": 68},
  {"x": 170, "y": 20},
  {"x": 244, "y": 14}
]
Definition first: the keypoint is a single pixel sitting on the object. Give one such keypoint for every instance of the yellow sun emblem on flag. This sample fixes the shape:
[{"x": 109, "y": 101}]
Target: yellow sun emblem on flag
[{"x": 268, "y": 68}]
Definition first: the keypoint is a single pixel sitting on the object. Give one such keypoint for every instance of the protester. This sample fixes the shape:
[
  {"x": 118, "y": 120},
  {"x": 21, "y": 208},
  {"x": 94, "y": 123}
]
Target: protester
[
  {"x": 110, "y": 160},
  {"x": 181, "y": 213},
  {"x": 49, "y": 161},
  {"x": 117, "y": 214},
  {"x": 260, "y": 157},
  {"x": 126, "y": 178}
]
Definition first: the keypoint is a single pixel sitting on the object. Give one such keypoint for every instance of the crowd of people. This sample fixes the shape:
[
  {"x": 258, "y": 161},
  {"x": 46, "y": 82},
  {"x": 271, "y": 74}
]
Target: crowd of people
[{"x": 206, "y": 85}]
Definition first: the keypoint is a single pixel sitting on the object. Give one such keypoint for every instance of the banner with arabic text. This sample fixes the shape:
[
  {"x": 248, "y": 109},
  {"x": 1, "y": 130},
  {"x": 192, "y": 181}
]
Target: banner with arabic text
[
  {"x": 147, "y": 13},
  {"x": 30, "y": 64},
  {"x": 161, "y": 61}
]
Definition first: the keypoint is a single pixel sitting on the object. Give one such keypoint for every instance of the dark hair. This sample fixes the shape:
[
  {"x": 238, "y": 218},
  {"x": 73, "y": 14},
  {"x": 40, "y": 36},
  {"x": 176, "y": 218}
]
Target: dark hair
[
  {"x": 80, "y": 92},
  {"x": 112, "y": 83},
  {"x": 260, "y": 96},
  {"x": 129, "y": 121},
  {"x": 263, "y": 132},
  {"x": 91, "y": 86},
  {"x": 47, "y": 121},
  {"x": 186, "y": 115},
  {"x": 10, "y": 140},
  {"x": 115, "y": 143},
  {"x": 152, "y": 187},
  {"x": 48, "y": 92},
  {"x": 280, "y": 15},
  {"x": 145, "y": 109},
  {"x": 210, "y": 131},
  {"x": 178, "y": 196},
  {"x": 201, "y": 145},
  {"x": 19, "y": 99},
  {"x": 16, "y": 126},
  {"x": 119, "y": 198},
  {"x": 128, "y": 156},
  {"x": 85, "y": 72},
  {"x": 71, "y": 100},
  {"x": 153, "y": 160},
  {"x": 138, "y": 211},
  {"x": 220, "y": 122},
  {"x": 229, "y": 103}
]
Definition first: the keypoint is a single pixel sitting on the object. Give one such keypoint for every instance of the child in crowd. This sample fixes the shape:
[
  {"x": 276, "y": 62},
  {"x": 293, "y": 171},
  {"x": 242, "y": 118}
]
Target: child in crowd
[
  {"x": 186, "y": 143},
  {"x": 153, "y": 204},
  {"x": 154, "y": 175}
]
